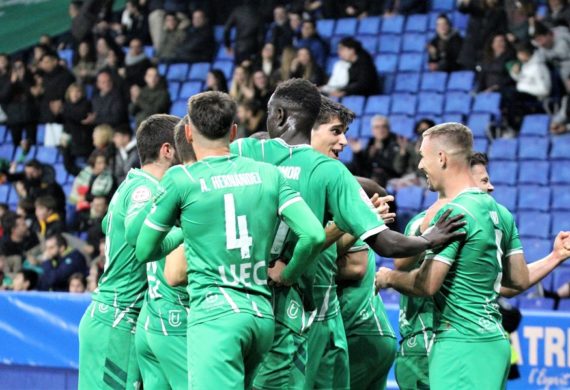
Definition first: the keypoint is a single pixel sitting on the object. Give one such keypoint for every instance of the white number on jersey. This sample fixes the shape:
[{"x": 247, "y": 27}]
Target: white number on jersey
[{"x": 244, "y": 242}]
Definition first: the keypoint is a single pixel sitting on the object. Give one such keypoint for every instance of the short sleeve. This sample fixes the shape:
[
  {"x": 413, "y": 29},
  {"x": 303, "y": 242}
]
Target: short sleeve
[
  {"x": 512, "y": 242},
  {"x": 448, "y": 253},
  {"x": 165, "y": 208},
  {"x": 347, "y": 202},
  {"x": 138, "y": 206},
  {"x": 245, "y": 147}
]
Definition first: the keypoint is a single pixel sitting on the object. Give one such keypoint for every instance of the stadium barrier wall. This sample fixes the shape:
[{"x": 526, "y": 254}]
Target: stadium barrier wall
[{"x": 39, "y": 343}]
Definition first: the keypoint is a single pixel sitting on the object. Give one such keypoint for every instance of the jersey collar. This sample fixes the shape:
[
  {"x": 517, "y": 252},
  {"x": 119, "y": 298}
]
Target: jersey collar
[
  {"x": 471, "y": 189},
  {"x": 283, "y": 143},
  {"x": 140, "y": 172}
]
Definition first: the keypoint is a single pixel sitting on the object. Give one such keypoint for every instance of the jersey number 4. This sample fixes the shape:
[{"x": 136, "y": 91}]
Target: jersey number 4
[{"x": 244, "y": 241}]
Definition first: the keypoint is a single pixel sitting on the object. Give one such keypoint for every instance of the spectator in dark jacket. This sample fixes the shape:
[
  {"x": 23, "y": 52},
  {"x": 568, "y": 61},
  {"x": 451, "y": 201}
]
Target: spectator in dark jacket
[
  {"x": 17, "y": 240},
  {"x": 444, "y": 48},
  {"x": 152, "y": 99},
  {"x": 172, "y": 38},
  {"x": 494, "y": 75},
  {"x": 200, "y": 44},
  {"x": 77, "y": 140},
  {"x": 280, "y": 33},
  {"x": 313, "y": 41},
  {"x": 126, "y": 153},
  {"x": 249, "y": 32},
  {"x": 136, "y": 63},
  {"x": 59, "y": 263},
  {"x": 48, "y": 220},
  {"x": 559, "y": 13},
  {"x": 362, "y": 76},
  {"x": 108, "y": 104}
]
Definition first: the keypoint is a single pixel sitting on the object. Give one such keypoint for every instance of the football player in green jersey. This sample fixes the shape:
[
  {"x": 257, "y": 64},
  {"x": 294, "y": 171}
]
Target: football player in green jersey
[
  {"x": 160, "y": 338},
  {"x": 229, "y": 209},
  {"x": 465, "y": 276},
  {"x": 332, "y": 193},
  {"x": 107, "y": 356}
]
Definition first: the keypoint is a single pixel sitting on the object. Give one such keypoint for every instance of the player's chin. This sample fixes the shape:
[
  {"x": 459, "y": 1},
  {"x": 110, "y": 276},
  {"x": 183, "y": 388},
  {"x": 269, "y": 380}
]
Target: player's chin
[{"x": 334, "y": 154}]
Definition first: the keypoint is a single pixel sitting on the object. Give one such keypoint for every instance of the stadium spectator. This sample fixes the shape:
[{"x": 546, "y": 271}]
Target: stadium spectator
[
  {"x": 155, "y": 18},
  {"x": 486, "y": 18},
  {"x": 311, "y": 40},
  {"x": 560, "y": 121},
  {"x": 304, "y": 67},
  {"x": 136, "y": 63},
  {"x": 107, "y": 52},
  {"x": 77, "y": 136},
  {"x": 444, "y": 48},
  {"x": 48, "y": 219},
  {"x": 90, "y": 223},
  {"x": 267, "y": 60},
  {"x": 96, "y": 267},
  {"x": 59, "y": 262},
  {"x": 285, "y": 61},
  {"x": 519, "y": 14},
  {"x": 126, "y": 154},
  {"x": 251, "y": 118},
  {"x": 17, "y": 242},
  {"x": 279, "y": 34},
  {"x": 200, "y": 44},
  {"x": 25, "y": 280},
  {"x": 84, "y": 65},
  {"x": 103, "y": 140},
  {"x": 77, "y": 283},
  {"x": 108, "y": 104},
  {"x": 152, "y": 99},
  {"x": 376, "y": 159},
  {"x": 494, "y": 75},
  {"x": 241, "y": 88},
  {"x": 554, "y": 45},
  {"x": 172, "y": 38},
  {"x": 17, "y": 101},
  {"x": 216, "y": 81},
  {"x": 249, "y": 32},
  {"x": 134, "y": 23},
  {"x": 362, "y": 76},
  {"x": 262, "y": 90},
  {"x": 94, "y": 180},
  {"x": 406, "y": 7},
  {"x": 559, "y": 13}
]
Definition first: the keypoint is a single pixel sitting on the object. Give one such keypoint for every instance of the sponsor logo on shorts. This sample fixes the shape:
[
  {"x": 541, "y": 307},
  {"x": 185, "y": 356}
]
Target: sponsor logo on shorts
[
  {"x": 293, "y": 310},
  {"x": 412, "y": 342},
  {"x": 174, "y": 318},
  {"x": 103, "y": 308}
]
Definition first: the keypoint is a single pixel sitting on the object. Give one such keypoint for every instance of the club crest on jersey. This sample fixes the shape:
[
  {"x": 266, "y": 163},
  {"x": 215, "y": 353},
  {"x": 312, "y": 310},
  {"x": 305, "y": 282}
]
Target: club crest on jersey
[
  {"x": 364, "y": 314},
  {"x": 293, "y": 310},
  {"x": 174, "y": 318},
  {"x": 412, "y": 342},
  {"x": 103, "y": 308},
  {"x": 141, "y": 194}
]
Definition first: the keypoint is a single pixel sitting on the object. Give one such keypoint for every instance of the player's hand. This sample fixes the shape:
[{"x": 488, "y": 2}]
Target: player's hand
[
  {"x": 275, "y": 272},
  {"x": 382, "y": 207},
  {"x": 381, "y": 279},
  {"x": 561, "y": 247},
  {"x": 445, "y": 230}
]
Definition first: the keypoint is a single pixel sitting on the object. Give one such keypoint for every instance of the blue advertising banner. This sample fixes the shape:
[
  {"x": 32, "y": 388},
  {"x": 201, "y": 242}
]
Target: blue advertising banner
[{"x": 38, "y": 336}]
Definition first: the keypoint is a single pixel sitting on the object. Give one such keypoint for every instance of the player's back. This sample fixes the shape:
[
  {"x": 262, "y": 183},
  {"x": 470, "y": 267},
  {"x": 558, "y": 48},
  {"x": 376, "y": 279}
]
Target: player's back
[{"x": 466, "y": 304}]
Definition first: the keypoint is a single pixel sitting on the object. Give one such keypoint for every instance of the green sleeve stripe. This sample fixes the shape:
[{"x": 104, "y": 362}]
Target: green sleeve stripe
[
  {"x": 289, "y": 203},
  {"x": 443, "y": 259},
  {"x": 373, "y": 232},
  {"x": 239, "y": 141},
  {"x": 154, "y": 226},
  {"x": 514, "y": 252}
]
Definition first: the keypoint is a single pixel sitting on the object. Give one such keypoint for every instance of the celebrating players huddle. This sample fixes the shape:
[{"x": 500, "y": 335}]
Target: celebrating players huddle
[{"x": 223, "y": 259}]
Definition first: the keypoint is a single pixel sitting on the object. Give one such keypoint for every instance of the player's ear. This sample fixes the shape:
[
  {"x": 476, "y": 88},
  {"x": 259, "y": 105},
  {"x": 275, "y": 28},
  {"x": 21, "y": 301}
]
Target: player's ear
[
  {"x": 442, "y": 159},
  {"x": 188, "y": 132},
  {"x": 233, "y": 132},
  {"x": 280, "y": 116}
]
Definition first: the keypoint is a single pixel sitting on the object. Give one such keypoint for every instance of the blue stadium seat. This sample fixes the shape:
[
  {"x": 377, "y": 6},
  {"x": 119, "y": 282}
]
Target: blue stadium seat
[
  {"x": 564, "y": 305},
  {"x": 163, "y": 69},
  {"x": 390, "y": 297},
  {"x": 407, "y": 82},
  {"x": 346, "y": 26},
  {"x": 434, "y": 81},
  {"x": 179, "y": 108},
  {"x": 378, "y": 105},
  {"x": 488, "y": 102},
  {"x": 536, "y": 303},
  {"x": 346, "y": 155},
  {"x": 503, "y": 149},
  {"x": 443, "y": 5},
  {"x": 414, "y": 42},
  {"x": 534, "y": 172},
  {"x": 560, "y": 174},
  {"x": 354, "y": 128},
  {"x": 369, "y": 43},
  {"x": 7, "y": 151},
  {"x": 19, "y": 154},
  {"x": 460, "y": 21},
  {"x": 13, "y": 199},
  {"x": 61, "y": 175},
  {"x": 227, "y": 67},
  {"x": 461, "y": 81},
  {"x": 534, "y": 198},
  {"x": 480, "y": 145},
  {"x": 67, "y": 56},
  {"x": 560, "y": 198},
  {"x": 369, "y": 26},
  {"x": 325, "y": 27},
  {"x": 479, "y": 124},
  {"x": 389, "y": 44},
  {"x": 387, "y": 83},
  {"x": 3, "y": 131},
  {"x": 354, "y": 103},
  {"x": 506, "y": 195},
  {"x": 404, "y": 103},
  {"x": 458, "y": 118},
  {"x": 334, "y": 41},
  {"x": 416, "y": 23},
  {"x": 533, "y": 224},
  {"x": 457, "y": 103},
  {"x": 535, "y": 248},
  {"x": 386, "y": 63},
  {"x": 410, "y": 62},
  {"x": 67, "y": 189},
  {"x": 331, "y": 60},
  {"x": 366, "y": 126},
  {"x": 430, "y": 103},
  {"x": 410, "y": 198},
  {"x": 535, "y": 125},
  {"x": 561, "y": 277},
  {"x": 502, "y": 172},
  {"x": 41, "y": 134},
  {"x": 47, "y": 154},
  {"x": 199, "y": 71},
  {"x": 4, "y": 192},
  {"x": 173, "y": 89},
  {"x": 189, "y": 89},
  {"x": 219, "y": 34},
  {"x": 177, "y": 72},
  {"x": 429, "y": 198},
  {"x": 560, "y": 222},
  {"x": 533, "y": 148},
  {"x": 392, "y": 24},
  {"x": 149, "y": 51},
  {"x": 402, "y": 125},
  {"x": 222, "y": 54},
  {"x": 560, "y": 147}
]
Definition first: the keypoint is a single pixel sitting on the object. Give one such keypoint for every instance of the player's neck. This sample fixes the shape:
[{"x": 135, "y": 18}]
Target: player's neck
[
  {"x": 155, "y": 169},
  {"x": 211, "y": 151},
  {"x": 292, "y": 137},
  {"x": 457, "y": 181}
]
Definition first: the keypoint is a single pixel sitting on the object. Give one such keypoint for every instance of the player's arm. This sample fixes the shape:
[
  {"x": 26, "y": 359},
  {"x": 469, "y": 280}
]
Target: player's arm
[
  {"x": 353, "y": 264},
  {"x": 422, "y": 282},
  {"x": 406, "y": 263},
  {"x": 175, "y": 267}
]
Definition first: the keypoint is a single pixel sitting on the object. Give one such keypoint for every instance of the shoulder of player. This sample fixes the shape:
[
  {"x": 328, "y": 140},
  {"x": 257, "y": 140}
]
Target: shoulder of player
[
  {"x": 245, "y": 146},
  {"x": 326, "y": 165}
]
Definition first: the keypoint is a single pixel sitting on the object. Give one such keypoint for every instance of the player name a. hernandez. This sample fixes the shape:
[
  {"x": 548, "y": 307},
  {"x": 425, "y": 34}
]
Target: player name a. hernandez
[{"x": 237, "y": 180}]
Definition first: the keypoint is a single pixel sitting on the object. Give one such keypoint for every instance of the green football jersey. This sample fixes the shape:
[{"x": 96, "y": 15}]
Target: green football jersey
[
  {"x": 124, "y": 281},
  {"x": 166, "y": 306},
  {"x": 332, "y": 193},
  {"x": 229, "y": 208},
  {"x": 416, "y": 313},
  {"x": 363, "y": 312},
  {"x": 466, "y": 305}
]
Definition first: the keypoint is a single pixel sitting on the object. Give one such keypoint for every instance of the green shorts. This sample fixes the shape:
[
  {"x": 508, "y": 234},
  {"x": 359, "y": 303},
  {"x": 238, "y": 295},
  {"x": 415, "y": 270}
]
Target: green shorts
[
  {"x": 412, "y": 372},
  {"x": 284, "y": 365},
  {"x": 225, "y": 353},
  {"x": 162, "y": 360},
  {"x": 456, "y": 364},
  {"x": 107, "y": 357},
  {"x": 327, "y": 366},
  {"x": 370, "y": 358}
]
